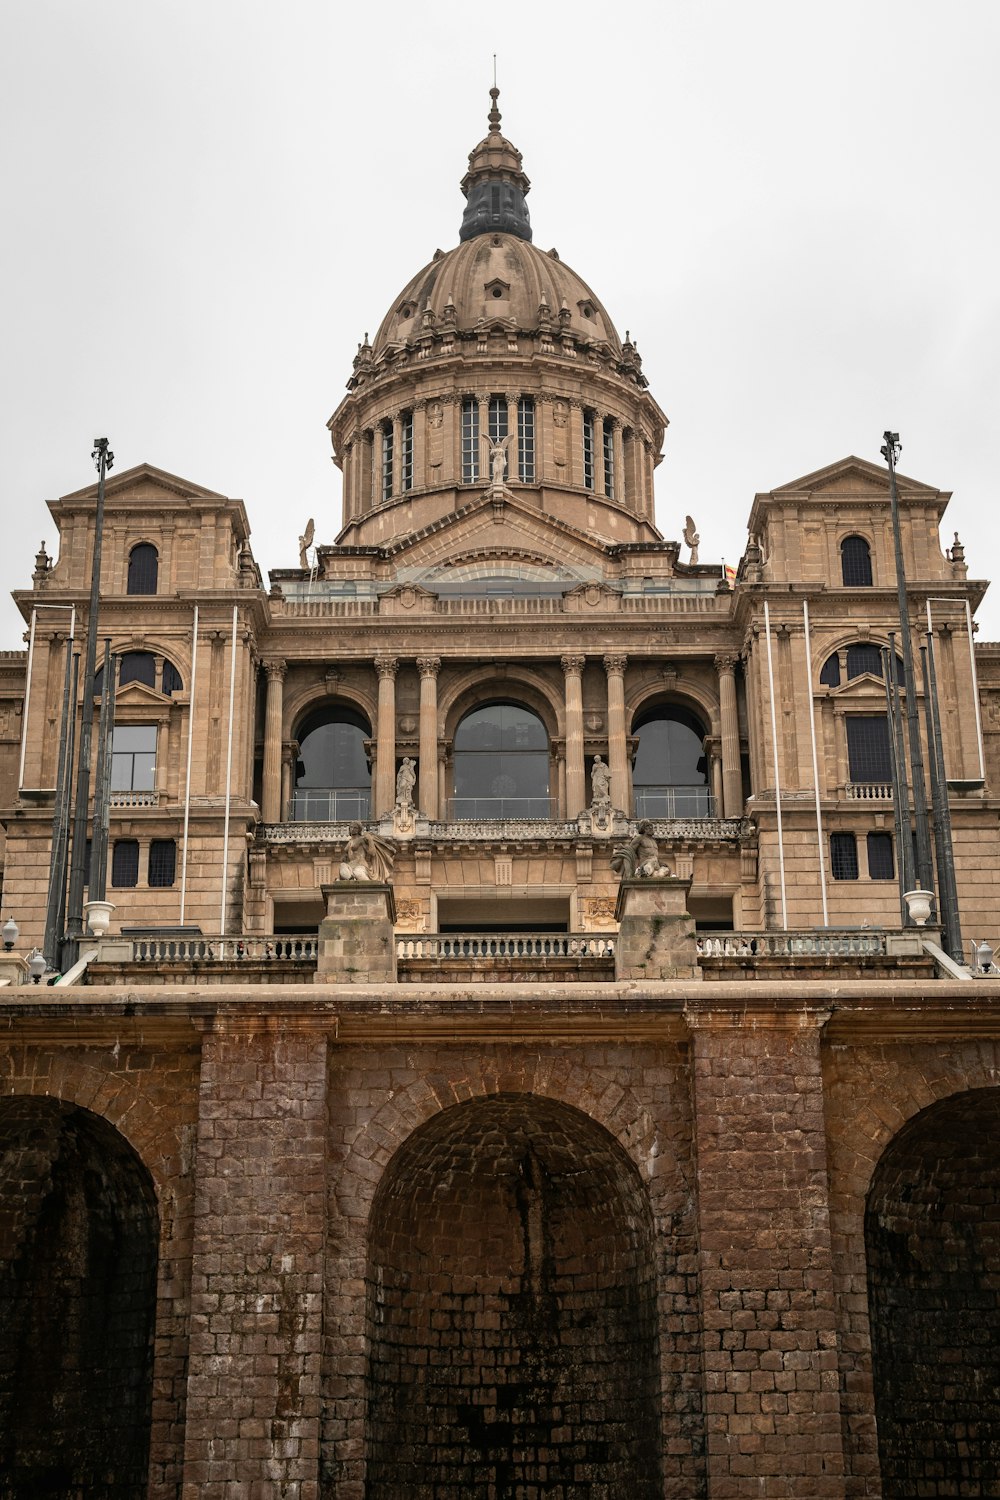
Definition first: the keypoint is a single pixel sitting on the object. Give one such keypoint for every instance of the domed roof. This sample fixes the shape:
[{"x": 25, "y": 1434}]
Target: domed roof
[{"x": 490, "y": 278}]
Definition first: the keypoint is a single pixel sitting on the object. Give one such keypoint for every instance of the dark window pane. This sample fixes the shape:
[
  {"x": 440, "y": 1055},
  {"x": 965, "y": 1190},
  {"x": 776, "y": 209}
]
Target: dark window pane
[
  {"x": 162, "y": 862},
  {"x": 856, "y": 562},
  {"x": 830, "y": 675},
  {"x": 843, "y": 856},
  {"x": 138, "y": 666},
  {"x": 868, "y": 747},
  {"x": 881, "y": 865},
  {"x": 171, "y": 678},
  {"x": 133, "y": 758},
  {"x": 332, "y": 778},
  {"x": 125, "y": 863},
  {"x": 501, "y": 764},
  {"x": 863, "y": 658},
  {"x": 143, "y": 568}
]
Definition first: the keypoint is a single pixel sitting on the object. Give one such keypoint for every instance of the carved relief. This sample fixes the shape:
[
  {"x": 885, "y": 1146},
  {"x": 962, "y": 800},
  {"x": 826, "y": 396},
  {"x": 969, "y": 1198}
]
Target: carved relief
[
  {"x": 435, "y": 435},
  {"x": 560, "y": 419}
]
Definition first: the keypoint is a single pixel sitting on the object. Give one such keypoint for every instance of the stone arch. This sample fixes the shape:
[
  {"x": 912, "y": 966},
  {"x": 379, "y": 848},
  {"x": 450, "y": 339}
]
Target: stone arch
[
  {"x": 671, "y": 770},
  {"x": 932, "y": 1238},
  {"x": 477, "y": 686},
  {"x": 699, "y": 698},
  {"x": 300, "y": 702},
  {"x": 79, "y": 1236},
  {"x": 872, "y": 1094},
  {"x": 511, "y": 1308}
]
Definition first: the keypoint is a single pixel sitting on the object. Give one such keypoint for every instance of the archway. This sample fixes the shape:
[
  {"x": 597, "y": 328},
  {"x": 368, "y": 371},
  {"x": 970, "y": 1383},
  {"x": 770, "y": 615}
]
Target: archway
[
  {"x": 332, "y": 775},
  {"x": 78, "y": 1254},
  {"x": 670, "y": 778},
  {"x": 511, "y": 1311},
  {"x": 932, "y": 1236},
  {"x": 501, "y": 764}
]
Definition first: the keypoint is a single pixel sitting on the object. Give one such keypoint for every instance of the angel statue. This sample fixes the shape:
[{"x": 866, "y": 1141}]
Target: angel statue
[
  {"x": 305, "y": 542},
  {"x": 366, "y": 857},
  {"x": 691, "y": 539},
  {"x": 640, "y": 856},
  {"x": 498, "y": 462}
]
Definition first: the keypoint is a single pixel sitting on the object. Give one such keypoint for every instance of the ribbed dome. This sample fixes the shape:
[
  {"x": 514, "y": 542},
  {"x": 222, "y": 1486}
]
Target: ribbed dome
[{"x": 495, "y": 277}]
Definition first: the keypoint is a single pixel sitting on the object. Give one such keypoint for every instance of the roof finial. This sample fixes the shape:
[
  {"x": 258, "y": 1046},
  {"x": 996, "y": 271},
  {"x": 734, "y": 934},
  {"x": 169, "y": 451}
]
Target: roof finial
[{"x": 494, "y": 114}]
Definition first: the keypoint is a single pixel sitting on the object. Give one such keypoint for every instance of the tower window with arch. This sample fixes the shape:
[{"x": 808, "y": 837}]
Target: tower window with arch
[
  {"x": 860, "y": 657},
  {"x": 406, "y": 451},
  {"x": 140, "y": 666},
  {"x": 856, "y": 562},
  {"x": 501, "y": 764},
  {"x": 470, "y": 440},
  {"x": 497, "y": 413},
  {"x": 526, "y": 440},
  {"x": 143, "y": 569},
  {"x": 609, "y": 461},
  {"x": 332, "y": 781},
  {"x": 387, "y": 460},
  {"x": 670, "y": 779}
]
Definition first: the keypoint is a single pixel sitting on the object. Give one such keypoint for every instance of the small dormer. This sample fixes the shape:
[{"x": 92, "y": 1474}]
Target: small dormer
[{"x": 497, "y": 290}]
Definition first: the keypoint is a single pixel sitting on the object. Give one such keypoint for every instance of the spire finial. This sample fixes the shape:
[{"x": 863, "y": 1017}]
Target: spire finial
[{"x": 494, "y": 114}]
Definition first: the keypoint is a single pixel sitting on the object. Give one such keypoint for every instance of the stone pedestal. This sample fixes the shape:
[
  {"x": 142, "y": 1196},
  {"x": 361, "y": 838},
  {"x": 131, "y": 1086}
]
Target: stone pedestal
[
  {"x": 356, "y": 939},
  {"x": 656, "y": 938},
  {"x": 13, "y": 969}
]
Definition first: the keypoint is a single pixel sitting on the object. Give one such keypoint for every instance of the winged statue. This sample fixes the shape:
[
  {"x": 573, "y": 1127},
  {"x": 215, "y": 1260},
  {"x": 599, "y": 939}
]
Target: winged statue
[
  {"x": 691, "y": 538},
  {"x": 305, "y": 542}
]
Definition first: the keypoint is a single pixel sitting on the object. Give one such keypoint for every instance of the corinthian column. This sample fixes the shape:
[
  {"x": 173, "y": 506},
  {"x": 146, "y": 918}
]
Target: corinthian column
[
  {"x": 271, "y": 794},
  {"x": 385, "y": 735},
  {"x": 576, "y": 791},
  {"x": 732, "y": 776},
  {"x": 427, "y": 770},
  {"x": 617, "y": 748}
]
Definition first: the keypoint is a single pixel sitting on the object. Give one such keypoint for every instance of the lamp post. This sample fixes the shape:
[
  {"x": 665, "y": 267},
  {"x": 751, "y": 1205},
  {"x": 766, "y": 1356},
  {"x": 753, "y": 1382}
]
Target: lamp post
[
  {"x": 925, "y": 871},
  {"x": 103, "y": 460}
]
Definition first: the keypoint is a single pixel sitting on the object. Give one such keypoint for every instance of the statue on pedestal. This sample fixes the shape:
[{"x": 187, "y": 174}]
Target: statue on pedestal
[
  {"x": 366, "y": 857},
  {"x": 640, "y": 857},
  {"x": 498, "y": 463}
]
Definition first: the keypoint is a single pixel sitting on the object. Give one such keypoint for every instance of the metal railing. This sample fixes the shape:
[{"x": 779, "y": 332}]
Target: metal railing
[
  {"x": 329, "y": 805},
  {"x": 520, "y": 945},
  {"x": 674, "y": 802},
  {"x": 224, "y": 950},
  {"x": 827, "y": 942}
]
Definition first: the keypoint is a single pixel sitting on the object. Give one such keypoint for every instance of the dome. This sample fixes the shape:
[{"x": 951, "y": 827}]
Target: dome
[{"x": 492, "y": 278}]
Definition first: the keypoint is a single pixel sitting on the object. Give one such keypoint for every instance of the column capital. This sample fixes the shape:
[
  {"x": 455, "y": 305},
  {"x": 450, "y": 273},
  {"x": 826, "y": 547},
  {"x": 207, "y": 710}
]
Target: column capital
[
  {"x": 615, "y": 664},
  {"x": 428, "y": 666},
  {"x": 276, "y": 667},
  {"x": 573, "y": 665},
  {"x": 726, "y": 661},
  {"x": 386, "y": 666}
]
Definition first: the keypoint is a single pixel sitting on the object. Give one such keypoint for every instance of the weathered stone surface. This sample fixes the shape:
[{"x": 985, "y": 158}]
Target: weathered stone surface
[
  {"x": 656, "y": 934},
  {"x": 356, "y": 940}
]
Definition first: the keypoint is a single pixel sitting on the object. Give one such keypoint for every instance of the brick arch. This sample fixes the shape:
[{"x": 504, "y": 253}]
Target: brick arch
[
  {"x": 478, "y": 686},
  {"x": 872, "y": 1094}
]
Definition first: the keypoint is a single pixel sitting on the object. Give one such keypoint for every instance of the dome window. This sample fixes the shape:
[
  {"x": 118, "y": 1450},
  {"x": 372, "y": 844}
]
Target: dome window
[
  {"x": 406, "y": 311},
  {"x": 586, "y": 309},
  {"x": 497, "y": 288}
]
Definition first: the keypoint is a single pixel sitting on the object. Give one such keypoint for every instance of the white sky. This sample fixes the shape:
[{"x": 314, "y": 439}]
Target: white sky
[{"x": 793, "y": 207}]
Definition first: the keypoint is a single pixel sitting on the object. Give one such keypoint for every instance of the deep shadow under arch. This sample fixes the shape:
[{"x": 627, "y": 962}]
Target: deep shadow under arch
[
  {"x": 78, "y": 1255},
  {"x": 511, "y": 1311},
  {"x": 932, "y": 1237}
]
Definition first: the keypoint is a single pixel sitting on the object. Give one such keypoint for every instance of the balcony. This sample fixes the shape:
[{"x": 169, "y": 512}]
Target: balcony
[
  {"x": 493, "y": 957},
  {"x": 671, "y": 803},
  {"x": 328, "y": 805}
]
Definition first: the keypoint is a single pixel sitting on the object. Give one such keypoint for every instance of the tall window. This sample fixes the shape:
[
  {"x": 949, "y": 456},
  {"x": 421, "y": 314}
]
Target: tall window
[
  {"x": 868, "y": 751},
  {"x": 526, "y": 440},
  {"x": 387, "y": 461},
  {"x": 332, "y": 777},
  {"x": 843, "y": 856},
  {"x": 406, "y": 453},
  {"x": 501, "y": 764},
  {"x": 470, "y": 440},
  {"x": 609, "y": 460},
  {"x": 133, "y": 757},
  {"x": 881, "y": 865},
  {"x": 125, "y": 863},
  {"x": 670, "y": 779},
  {"x": 856, "y": 562},
  {"x": 588, "y": 449},
  {"x": 143, "y": 569},
  {"x": 162, "y": 862},
  {"x": 497, "y": 418}
]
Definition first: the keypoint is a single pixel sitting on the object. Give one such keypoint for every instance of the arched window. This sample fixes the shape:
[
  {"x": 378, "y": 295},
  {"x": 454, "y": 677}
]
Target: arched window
[
  {"x": 862, "y": 656},
  {"x": 501, "y": 764},
  {"x": 856, "y": 562},
  {"x": 171, "y": 678},
  {"x": 332, "y": 777},
  {"x": 143, "y": 569},
  {"x": 670, "y": 779},
  {"x": 140, "y": 666}
]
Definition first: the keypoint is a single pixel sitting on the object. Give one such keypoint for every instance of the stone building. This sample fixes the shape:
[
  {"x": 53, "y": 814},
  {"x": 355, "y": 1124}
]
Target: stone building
[{"x": 515, "y": 1173}]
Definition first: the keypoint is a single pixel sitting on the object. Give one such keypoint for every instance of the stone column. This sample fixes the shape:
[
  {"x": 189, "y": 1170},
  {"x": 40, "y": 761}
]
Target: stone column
[
  {"x": 162, "y": 754},
  {"x": 484, "y": 439},
  {"x": 732, "y": 776},
  {"x": 427, "y": 769},
  {"x": 576, "y": 789},
  {"x": 271, "y": 791},
  {"x": 619, "y": 452},
  {"x": 512, "y": 446},
  {"x": 419, "y": 444},
  {"x": 772, "y": 1398},
  {"x": 385, "y": 757},
  {"x": 253, "y": 1384},
  {"x": 289, "y": 755},
  {"x": 617, "y": 748}
]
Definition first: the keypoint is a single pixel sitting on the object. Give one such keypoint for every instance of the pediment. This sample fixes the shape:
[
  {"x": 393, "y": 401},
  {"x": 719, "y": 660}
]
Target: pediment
[
  {"x": 852, "y": 477},
  {"x": 139, "y": 695},
  {"x": 484, "y": 529},
  {"x": 143, "y": 483}
]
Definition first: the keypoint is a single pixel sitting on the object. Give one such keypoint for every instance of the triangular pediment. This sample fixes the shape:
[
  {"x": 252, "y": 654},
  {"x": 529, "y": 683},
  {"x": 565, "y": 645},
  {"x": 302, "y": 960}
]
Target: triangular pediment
[
  {"x": 143, "y": 482},
  {"x": 488, "y": 529},
  {"x": 139, "y": 695},
  {"x": 851, "y": 477}
]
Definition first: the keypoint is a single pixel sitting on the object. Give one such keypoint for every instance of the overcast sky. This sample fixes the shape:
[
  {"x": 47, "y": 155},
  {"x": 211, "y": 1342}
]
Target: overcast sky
[{"x": 792, "y": 206}]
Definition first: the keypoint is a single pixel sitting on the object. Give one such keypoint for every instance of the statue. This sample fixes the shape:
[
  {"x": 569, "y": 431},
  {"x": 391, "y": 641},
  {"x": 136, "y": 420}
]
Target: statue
[
  {"x": 406, "y": 780},
  {"x": 498, "y": 462},
  {"x": 600, "y": 785},
  {"x": 640, "y": 857},
  {"x": 366, "y": 857},
  {"x": 305, "y": 542},
  {"x": 691, "y": 539}
]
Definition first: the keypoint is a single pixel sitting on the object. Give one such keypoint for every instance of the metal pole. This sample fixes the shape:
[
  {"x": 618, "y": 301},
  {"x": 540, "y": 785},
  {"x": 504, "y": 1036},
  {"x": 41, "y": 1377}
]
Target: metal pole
[
  {"x": 899, "y": 759},
  {"x": 777, "y": 779},
  {"x": 98, "y": 883},
  {"x": 187, "y": 785},
  {"x": 925, "y": 870},
  {"x": 56, "y": 901},
  {"x": 229, "y": 777},
  {"x": 947, "y": 883},
  {"x": 103, "y": 458},
  {"x": 975, "y": 693},
  {"x": 27, "y": 697},
  {"x": 815, "y": 758},
  {"x": 896, "y": 800}
]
